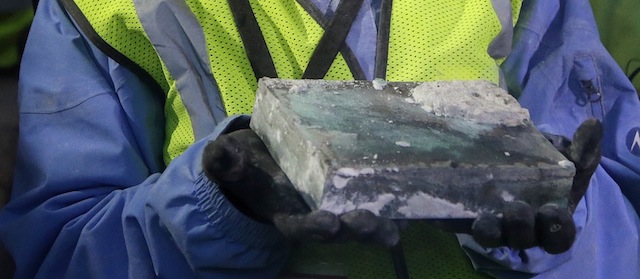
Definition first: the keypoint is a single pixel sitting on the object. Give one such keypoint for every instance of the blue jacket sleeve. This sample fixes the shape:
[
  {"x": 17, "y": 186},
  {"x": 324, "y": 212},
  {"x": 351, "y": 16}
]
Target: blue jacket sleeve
[
  {"x": 92, "y": 197},
  {"x": 564, "y": 76}
]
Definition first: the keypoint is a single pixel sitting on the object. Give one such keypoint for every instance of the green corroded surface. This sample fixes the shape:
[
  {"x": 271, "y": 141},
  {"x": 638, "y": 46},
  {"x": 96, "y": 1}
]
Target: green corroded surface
[{"x": 360, "y": 144}]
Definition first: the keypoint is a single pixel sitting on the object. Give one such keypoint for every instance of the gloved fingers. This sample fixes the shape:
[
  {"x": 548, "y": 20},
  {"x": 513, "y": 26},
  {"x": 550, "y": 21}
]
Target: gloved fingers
[
  {"x": 323, "y": 226},
  {"x": 585, "y": 147},
  {"x": 551, "y": 228},
  {"x": 228, "y": 162},
  {"x": 519, "y": 225},
  {"x": 555, "y": 229},
  {"x": 359, "y": 223},
  {"x": 249, "y": 177},
  {"x": 363, "y": 226},
  {"x": 225, "y": 159},
  {"x": 561, "y": 143},
  {"x": 319, "y": 225},
  {"x": 487, "y": 230},
  {"x": 585, "y": 151}
]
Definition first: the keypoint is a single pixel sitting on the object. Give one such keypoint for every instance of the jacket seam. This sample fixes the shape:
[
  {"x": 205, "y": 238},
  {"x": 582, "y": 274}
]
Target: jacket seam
[{"x": 65, "y": 108}]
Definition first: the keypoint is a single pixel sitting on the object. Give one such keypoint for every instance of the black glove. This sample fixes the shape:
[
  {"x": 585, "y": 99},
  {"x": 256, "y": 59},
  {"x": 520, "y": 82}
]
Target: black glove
[
  {"x": 249, "y": 177},
  {"x": 552, "y": 226}
]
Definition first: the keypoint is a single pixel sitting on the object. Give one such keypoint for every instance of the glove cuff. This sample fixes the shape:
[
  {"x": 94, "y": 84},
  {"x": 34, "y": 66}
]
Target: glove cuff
[{"x": 230, "y": 221}]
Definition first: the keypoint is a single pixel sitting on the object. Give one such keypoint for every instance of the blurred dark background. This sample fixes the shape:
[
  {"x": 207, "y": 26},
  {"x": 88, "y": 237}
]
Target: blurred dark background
[
  {"x": 8, "y": 139},
  {"x": 8, "y": 132},
  {"x": 15, "y": 20}
]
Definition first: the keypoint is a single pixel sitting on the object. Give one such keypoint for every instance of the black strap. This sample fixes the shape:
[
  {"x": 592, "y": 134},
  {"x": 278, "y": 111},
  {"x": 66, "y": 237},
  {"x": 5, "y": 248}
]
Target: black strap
[
  {"x": 382, "y": 48},
  {"x": 399, "y": 262},
  {"x": 634, "y": 74},
  {"x": 254, "y": 43},
  {"x": 332, "y": 40},
  {"x": 347, "y": 53}
]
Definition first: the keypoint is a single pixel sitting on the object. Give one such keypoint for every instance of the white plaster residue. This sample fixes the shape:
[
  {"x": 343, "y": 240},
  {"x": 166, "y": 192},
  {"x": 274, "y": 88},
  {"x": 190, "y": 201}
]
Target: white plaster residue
[
  {"x": 298, "y": 88},
  {"x": 506, "y": 196},
  {"x": 347, "y": 172},
  {"x": 475, "y": 101},
  {"x": 337, "y": 205},
  {"x": 422, "y": 205},
  {"x": 379, "y": 204},
  {"x": 507, "y": 154},
  {"x": 365, "y": 171},
  {"x": 566, "y": 164},
  {"x": 403, "y": 144},
  {"x": 410, "y": 100},
  {"x": 343, "y": 175},
  {"x": 379, "y": 84},
  {"x": 340, "y": 182},
  {"x": 278, "y": 135}
]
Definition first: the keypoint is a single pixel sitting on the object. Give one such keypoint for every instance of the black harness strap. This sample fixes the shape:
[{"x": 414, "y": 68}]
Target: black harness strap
[
  {"x": 332, "y": 40},
  {"x": 347, "y": 53},
  {"x": 382, "y": 49},
  {"x": 325, "y": 52},
  {"x": 254, "y": 43}
]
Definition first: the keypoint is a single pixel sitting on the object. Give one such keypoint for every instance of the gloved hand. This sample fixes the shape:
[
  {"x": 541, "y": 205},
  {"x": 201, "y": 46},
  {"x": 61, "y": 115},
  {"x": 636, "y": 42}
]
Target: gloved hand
[
  {"x": 249, "y": 177},
  {"x": 551, "y": 227}
]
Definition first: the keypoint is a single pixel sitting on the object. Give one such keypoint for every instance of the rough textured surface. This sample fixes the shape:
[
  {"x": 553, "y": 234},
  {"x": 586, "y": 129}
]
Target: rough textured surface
[
  {"x": 375, "y": 145},
  {"x": 477, "y": 101}
]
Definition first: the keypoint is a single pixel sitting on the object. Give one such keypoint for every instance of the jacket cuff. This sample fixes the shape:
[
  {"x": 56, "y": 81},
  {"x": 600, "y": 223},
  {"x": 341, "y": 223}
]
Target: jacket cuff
[{"x": 228, "y": 220}]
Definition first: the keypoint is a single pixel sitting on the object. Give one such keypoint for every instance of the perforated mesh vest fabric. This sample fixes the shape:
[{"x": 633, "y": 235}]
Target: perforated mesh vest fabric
[
  {"x": 429, "y": 253},
  {"x": 291, "y": 36},
  {"x": 117, "y": 23},
  {"x": 443, "y": 40}
]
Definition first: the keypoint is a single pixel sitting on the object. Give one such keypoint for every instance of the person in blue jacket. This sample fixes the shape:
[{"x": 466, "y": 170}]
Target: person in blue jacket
[{"x": 99, "y": 193}]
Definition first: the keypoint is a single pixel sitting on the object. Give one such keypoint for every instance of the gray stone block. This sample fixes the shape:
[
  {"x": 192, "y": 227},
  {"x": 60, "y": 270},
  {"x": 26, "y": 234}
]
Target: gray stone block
[{"x": 408, "y": 150}]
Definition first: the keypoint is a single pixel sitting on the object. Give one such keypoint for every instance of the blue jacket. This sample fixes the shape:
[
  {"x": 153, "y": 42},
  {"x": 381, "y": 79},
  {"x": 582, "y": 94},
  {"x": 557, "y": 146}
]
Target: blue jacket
[
  {"x": 564, "y": 75},
  {"x": 93, "y": 199}
]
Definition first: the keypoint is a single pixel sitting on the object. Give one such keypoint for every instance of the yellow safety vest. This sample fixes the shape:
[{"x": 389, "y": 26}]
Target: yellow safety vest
[{"x": 427, "y": 40}]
